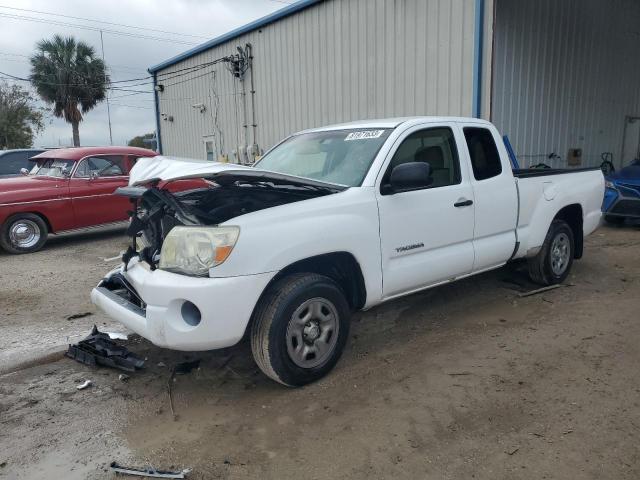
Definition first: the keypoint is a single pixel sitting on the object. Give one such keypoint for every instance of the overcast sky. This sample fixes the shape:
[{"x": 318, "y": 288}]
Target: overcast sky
[{"x": 127, "y": 57}]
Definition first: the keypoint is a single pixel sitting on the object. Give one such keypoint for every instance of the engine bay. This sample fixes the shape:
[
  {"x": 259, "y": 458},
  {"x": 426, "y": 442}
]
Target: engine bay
[{"x": 157, "y": 210}]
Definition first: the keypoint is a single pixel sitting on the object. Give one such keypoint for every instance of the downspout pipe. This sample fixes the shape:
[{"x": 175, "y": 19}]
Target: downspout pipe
[
  {"x": 157, "y": 105},
  {"x": 477, "y": 58}
]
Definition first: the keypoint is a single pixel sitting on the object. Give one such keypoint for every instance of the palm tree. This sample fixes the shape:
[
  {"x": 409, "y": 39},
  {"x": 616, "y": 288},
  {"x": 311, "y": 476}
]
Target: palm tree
[{"x": 67, "y": 74}]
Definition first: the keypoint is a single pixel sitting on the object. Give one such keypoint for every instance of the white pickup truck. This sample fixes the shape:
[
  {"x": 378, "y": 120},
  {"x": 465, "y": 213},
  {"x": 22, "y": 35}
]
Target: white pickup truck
[{"x": 330, "y": 221}]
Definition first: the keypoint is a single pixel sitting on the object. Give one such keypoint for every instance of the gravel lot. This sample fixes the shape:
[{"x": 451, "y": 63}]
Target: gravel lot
[{"x": 463, "y": 381}]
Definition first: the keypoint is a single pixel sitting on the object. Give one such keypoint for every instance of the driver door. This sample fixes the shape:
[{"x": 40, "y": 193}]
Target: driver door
[
  {"x": 427, "y": 233},
  {"x": 92, "y": 188}
]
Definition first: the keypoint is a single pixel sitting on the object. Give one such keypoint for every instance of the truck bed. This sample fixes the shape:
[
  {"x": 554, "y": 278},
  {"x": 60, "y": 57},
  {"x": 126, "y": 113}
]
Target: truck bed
[{"x": 543, "y": 192}]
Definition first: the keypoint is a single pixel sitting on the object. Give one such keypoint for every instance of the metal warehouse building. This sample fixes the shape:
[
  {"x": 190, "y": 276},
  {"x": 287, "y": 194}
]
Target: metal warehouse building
[{"x": 560, "y": 77}]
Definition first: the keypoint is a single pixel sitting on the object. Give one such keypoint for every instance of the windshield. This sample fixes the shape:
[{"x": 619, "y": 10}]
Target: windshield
[
  {"x": 336, "y": 156},
  {"x": 51, "y": 167}
]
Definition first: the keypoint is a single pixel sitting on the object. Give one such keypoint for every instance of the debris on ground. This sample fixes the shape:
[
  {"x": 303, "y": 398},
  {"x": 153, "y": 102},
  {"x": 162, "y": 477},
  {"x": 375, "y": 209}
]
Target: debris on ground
[
  {"x": 114, "y": 259},
  {"x": 161, "y": 364},
  {"x": 179, "y": 369},
  {"x": 85, "y": 384},
  {"x": 512, "y": 451},
  {"x": 170, "y": 392},
  {"x": 123, "y": 377},
  {"x": 540, "y": 290},
  {"x": 99, "y": 349},
  {"x": 79, "y": 315},
  {"x": 117, "y": 335},
  {"x": 148, "y": 472}
]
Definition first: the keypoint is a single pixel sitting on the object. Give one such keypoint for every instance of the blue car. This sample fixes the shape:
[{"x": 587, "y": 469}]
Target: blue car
[
  {"x": 12, "y": 161},
  {"x": 622, "y": 194}
]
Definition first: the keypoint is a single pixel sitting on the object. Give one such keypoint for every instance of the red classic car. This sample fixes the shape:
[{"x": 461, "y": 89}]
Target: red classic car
[{"x": 67, "y": 189}]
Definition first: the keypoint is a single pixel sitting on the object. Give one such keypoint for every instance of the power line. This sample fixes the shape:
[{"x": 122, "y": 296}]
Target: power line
[
  {"x": 187, "y": 79},
  {"x": 126, "y": 85},
  {"x": 8, "y": 76},
  {"x": 94, "y": 29},
  {"x": 111, "y": 66},
  {"x": 160, "y": 76},
  {"x": 130, "y": 106},
  {"x": 104, "y": 22},
  {"x": 14, "y": 54},
  {"x": 132, "y": 94}
]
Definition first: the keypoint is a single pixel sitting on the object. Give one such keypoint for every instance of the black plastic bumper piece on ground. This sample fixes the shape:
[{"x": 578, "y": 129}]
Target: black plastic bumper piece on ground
[
  {"x": 147, "y": 472},
  {"x": 99, "y": 349}
]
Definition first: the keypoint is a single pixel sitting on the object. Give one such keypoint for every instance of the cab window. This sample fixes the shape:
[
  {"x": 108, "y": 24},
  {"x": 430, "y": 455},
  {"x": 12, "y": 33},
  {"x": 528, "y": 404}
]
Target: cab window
[
  {"x": 485, "y": 159},
  {"x": 435, "y": 146},
  {"x": 103, "y": 166}
]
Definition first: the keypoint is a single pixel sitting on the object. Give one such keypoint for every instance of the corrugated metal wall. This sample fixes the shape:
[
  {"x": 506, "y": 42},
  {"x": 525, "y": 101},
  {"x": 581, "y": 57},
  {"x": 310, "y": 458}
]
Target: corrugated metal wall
[
  {"x": 565, "y": 75},
  {"x": 336, "y": 61}
]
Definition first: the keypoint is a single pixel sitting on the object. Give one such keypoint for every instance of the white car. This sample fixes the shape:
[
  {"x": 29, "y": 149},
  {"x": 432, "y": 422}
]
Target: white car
[{"x": 333, "y": 220}]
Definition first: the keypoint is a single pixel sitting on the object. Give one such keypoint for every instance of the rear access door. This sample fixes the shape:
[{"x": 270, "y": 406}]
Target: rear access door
[{"x": 495, "y": 194}]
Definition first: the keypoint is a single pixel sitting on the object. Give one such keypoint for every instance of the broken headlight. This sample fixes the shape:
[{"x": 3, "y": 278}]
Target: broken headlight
[{"x": 194, "y": 250}]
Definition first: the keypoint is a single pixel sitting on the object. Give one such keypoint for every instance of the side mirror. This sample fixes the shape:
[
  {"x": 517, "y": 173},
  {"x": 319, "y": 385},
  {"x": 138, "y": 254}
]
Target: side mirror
[
  {"x": 409, "y": 176},
  {"x": 93, "y": 175},
  {"x": 24, "y": 171}
]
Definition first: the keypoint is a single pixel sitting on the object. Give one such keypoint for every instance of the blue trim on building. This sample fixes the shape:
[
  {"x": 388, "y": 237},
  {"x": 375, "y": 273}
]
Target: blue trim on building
[
  {"x": 512, "y": 155},
  {"x": 477, "y": 58},
  {"x": 261, "y": 22},
  {"x": 157, "y": 105}
]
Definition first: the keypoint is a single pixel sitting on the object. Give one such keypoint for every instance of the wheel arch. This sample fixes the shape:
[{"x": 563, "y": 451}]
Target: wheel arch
[
  {"x": 342, "y": 267},
  {"x": 572, "y": 215}
]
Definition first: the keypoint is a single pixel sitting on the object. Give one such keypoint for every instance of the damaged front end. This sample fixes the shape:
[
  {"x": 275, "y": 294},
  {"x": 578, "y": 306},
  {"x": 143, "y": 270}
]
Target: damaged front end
[{"x": 158, "y": 209}]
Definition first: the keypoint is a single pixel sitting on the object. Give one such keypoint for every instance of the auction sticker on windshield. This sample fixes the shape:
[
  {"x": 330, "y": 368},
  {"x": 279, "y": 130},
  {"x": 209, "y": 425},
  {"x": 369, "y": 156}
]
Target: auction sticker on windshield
[{"x": 364, "y": 135}]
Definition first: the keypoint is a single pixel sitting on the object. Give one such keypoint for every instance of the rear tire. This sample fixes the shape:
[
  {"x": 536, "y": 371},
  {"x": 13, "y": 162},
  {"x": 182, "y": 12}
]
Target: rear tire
[
  {"x": 300, "y": 328},
  {"x": 23, "y": 233},
  {"x": 553, "y": 262}
]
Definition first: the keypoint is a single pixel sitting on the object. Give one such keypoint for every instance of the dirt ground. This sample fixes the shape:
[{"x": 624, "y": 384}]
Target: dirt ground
[
  {"x": 464, "y": 381},
  {"x": 39, "y": 291}
]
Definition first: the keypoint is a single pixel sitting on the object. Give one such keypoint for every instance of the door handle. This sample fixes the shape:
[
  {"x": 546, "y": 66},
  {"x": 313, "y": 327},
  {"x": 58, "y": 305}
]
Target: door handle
[{"x": 463, "y": 203}]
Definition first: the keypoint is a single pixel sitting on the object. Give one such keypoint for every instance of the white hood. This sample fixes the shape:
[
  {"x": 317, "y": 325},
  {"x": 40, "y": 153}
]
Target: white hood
[
  {"x": 161, "y": 168},
  {"x": 164, "y": 168}
]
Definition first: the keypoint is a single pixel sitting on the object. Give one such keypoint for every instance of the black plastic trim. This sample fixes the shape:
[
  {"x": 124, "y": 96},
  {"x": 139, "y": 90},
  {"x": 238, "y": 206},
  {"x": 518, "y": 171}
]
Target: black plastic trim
[{"x": 543, "y": 172}]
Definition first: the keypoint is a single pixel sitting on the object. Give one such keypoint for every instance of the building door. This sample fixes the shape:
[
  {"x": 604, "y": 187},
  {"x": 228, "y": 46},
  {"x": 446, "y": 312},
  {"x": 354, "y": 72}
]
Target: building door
[
  {"x": 631, "y": 142},
  {"x": 210, "y": 148}
]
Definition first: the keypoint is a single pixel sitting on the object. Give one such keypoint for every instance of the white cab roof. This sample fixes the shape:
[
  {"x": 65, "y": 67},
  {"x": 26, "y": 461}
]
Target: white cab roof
[{"x": 395, "y": 122}]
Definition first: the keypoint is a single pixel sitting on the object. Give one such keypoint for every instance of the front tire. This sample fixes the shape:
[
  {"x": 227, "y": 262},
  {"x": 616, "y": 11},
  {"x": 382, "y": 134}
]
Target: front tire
[
  {"x": 300, "y": 328},
  {"x": 23, "y": 233},
  {"x": 553, "y": 262}
]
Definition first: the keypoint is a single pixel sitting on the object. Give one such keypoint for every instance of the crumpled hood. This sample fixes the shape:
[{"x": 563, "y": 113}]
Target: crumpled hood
[{"x": 165, "y": 169}]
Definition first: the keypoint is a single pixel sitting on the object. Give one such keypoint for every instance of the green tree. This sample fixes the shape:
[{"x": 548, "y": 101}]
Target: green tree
[
  {"x": 67, "y": 74},
  {"x": 20, "y": 119},
  {"x": 139, "y": 141}
]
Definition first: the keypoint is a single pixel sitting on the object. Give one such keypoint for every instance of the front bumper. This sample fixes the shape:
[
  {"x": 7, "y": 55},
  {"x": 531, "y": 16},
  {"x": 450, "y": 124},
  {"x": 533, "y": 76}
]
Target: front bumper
[
  {"x": 225, "y": 306},
  {"x": 621, "y": 202}
]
